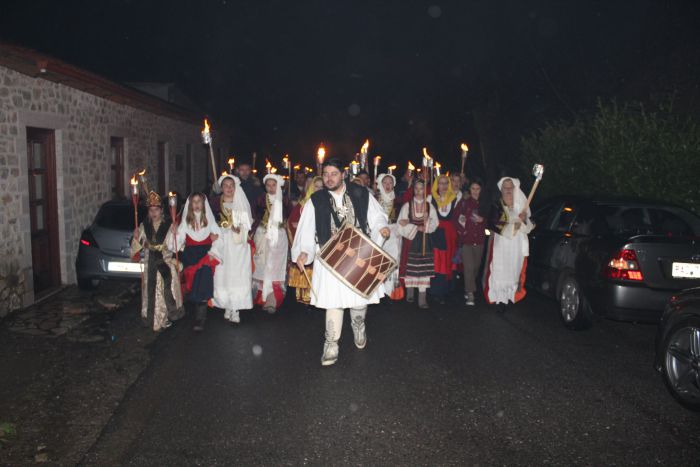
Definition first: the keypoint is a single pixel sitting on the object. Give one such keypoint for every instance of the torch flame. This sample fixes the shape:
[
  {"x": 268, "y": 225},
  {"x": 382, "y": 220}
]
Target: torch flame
[
  {"x": 377, "y": 159},
  {"x": 170, "y": 193},
  {"x": 206, "y": 126},
  {"x": 231, "y": 161},
  {"x": 411, "y": 166},
  {"x": 286, "y": 158},
  {"x": 142, "y": 173},
  {"x": 321, "y": 153},
  {"x": 134, "y": 181},
  {"x": 273, "y": 170},
  {"x": 297, "y": 167},
  {"x": 365, "y": 146},
  {"x": 425, "y": 153},
  {"x": 464, "y": 147},
  {"x": 393, "y": 167},
  {"x": 437, "y": 165},
  {"x": 268, "y": 164}
]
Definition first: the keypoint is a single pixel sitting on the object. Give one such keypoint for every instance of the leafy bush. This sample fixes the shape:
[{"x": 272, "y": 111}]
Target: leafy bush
[{"x": 623, "y": 150}]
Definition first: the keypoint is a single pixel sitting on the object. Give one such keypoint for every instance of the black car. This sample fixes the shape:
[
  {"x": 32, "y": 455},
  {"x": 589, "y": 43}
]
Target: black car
[
  {"x": 619, "y": 258},
  {"x": 105, "y": 246},
  {"x": 678, "y": 348}
]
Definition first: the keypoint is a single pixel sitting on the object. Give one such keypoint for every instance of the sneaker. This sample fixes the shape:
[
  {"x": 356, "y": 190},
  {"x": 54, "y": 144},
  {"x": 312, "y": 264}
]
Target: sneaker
[
  {"x": 330, "y": 353},
  {"x": 359, "y": 332},
  {"x": 470, "y": 299}
]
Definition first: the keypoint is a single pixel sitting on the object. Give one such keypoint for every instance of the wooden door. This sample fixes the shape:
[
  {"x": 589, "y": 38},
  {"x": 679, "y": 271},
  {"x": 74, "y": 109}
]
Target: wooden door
[
  {"x": 161, "y": 168},
  {"x": 117, "y": 165},
  {"x": 43, "y": 208}
]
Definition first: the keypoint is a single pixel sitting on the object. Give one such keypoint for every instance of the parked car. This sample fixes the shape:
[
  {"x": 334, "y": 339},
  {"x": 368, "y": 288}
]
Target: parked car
[
  {"x": 619, "y": 258},
  {"x": 105, "y": 246},
  {"x": 678, "y": 348}
]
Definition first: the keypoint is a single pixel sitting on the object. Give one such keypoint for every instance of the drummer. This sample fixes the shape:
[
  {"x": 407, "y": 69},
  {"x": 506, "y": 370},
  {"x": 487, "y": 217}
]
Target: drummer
[{"x": 337, "y": 203}]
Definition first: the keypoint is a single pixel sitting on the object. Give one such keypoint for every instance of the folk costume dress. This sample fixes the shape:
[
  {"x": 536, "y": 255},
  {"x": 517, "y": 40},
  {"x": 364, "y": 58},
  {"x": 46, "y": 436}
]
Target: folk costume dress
[
  {"x": 326, "y": 212},
  {"x": 444, "y": 241},
  {"x": 392, "y": 245},
  {"x": 161, "y": 297},
  {"x": 194, "y": 241},
  {"x": 416, "y": 269},
  {"x": 271, "y": 247},
  {"x": 504, "y": 278},
  {"x": 233, "y": 277},
  {"x": 295, "y": 277}
]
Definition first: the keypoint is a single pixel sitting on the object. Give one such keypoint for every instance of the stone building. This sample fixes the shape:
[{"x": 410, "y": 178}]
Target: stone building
[{"x": 69, "y": 141}]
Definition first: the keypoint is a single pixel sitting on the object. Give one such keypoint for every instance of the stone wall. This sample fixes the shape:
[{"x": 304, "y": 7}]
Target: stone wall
[{"x": 83, "y": 125}]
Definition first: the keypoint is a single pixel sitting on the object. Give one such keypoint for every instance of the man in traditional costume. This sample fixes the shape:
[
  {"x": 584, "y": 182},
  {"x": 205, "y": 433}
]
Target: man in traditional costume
[
  {"x": 417, "y": 220},
  {"x": 504, "y": 279},
  {"x": 161, "y": 298},
  {"x": 233, "y": 278},
  {"x": 297, "y": 278},
  {"x": 271, "y": 246},
  {"x": 444, "y": 239},
  {"x": 388, "y": 201},
  {"x": 329, "y": 209},
  {"x": 195, "y": 235}
]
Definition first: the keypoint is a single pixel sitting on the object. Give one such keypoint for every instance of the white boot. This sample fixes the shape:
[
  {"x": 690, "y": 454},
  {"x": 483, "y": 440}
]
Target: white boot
[
  {"x": 334, "y": 327},
  {"x": 227, "y": 315},
  {"x": 330, "y": 353},
  {"x": 359, "y": 331},
  {"x": 235, "y": 316}
]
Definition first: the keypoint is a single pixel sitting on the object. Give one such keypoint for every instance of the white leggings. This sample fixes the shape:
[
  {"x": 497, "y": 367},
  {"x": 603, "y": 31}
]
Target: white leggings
[{"x": 334, "y": 320}]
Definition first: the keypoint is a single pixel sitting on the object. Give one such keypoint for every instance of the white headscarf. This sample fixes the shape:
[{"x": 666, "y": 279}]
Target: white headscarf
[
  {"x": 275, "y": 219},
  {"x": 198, "y": 234},
  {"x": 242, "y": 217},
  {"x": 519, "y": 198},
  {"x": 386, "y": 197}
]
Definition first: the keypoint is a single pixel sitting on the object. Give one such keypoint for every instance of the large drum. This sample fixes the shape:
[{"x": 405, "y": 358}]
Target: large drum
[{"x": 356, "y": 260}]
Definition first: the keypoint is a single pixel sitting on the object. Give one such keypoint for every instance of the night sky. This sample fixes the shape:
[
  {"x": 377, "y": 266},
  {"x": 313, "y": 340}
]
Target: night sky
[{"x": 406, "y": 74}]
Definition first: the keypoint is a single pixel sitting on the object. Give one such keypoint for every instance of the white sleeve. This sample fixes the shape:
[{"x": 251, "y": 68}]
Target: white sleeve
[
  {"x": 432, "y": 220},
  {"x": 376, "y": 219},
  {"x": 305, "y": 237}
]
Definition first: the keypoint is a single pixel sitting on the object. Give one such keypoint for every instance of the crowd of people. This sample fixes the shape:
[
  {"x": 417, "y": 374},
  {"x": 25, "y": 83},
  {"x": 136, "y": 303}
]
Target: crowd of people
[{"x": 252, "y": 239}]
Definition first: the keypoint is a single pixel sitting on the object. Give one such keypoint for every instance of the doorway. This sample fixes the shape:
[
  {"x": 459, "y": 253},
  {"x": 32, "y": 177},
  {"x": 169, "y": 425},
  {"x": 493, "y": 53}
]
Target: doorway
[{"x": 43, "y": 208}]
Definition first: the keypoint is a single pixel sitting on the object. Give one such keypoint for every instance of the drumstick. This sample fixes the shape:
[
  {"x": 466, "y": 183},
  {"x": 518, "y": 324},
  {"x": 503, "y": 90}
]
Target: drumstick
[{"x": 311, "y": 287}]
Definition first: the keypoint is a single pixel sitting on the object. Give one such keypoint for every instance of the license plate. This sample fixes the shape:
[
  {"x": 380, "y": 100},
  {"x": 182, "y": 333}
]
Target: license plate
[
  {"x": 114, "y": 266},
  {"x": 686, "y": 270}
]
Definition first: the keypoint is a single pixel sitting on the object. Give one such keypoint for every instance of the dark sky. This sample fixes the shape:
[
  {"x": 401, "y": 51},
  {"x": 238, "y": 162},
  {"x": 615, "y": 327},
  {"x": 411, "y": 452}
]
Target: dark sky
[{"x": 289, "y": 74}]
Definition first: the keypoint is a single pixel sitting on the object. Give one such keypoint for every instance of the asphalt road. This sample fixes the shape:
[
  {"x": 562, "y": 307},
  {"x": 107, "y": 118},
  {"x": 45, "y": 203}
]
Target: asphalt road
[{"x": 446, "y": 386}]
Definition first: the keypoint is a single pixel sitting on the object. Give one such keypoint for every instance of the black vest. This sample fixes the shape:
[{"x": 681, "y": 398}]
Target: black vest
[{"x": 359, "y": 196}]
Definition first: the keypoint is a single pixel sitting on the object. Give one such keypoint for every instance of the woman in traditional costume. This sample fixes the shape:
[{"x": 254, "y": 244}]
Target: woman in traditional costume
[
  {"x": 417, "y": 220},
  {"x": 470, "y": 226},
  {"x": 296, "y": 277},
  {"x": 504, "y": 279},
  {"x": 388, "y": 201},
  {"x": 232, "y": 280},
  {"x": 161, "y": 298},
  {"x": 271, "y": 247},
  {"x": 195, "y": 235},
  {"x": 444, "y": 239}
]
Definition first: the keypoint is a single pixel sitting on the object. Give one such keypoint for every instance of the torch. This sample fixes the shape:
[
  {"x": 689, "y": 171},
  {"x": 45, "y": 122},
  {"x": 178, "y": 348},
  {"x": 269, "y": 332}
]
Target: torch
[
  {"x": 427, "y": 169},
  {"x": 231, "y": 161},
  {"x": 465, "y": 150},
  {"x": 320, "y": 155},
  {"x": 172, "y": 204},
  {"x": 135, "y": 200},
  {"x": 354, "y": 168},
  {"x": 376, "y": 161},
  {"x": 363, "y": 154},
  {"x": 144, "y": 182},
  {"x": 391, "y": 169},
  {"x": 411, "y": 168},
  {"x": 255, "y": 156},
  {"x": 288, "y": 166},
  {"x": 206, "y": 139},
  {"x": 268, "y": 166},
  {"x": 437, "y": 169}
]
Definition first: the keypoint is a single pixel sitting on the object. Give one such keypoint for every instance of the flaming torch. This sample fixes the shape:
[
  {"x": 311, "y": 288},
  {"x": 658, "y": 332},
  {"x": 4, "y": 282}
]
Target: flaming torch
[
  {"x": 206, "y": 139},
  {"x": 320, "y": 155},
  {"x": 231, "y": 161},
  {"x": 135, "y": 199},
  {"x": 268, "y": 166},
  {"x": 391, "y": 169},
  {"x": 376, "y": 161},
  {"x": 437, "y": 169},
  {"x": 363, "y": 154},
  {"x": 354, "y": 168},
  {"x": 465, "y": 150},
  {"x": 427, "y": 166},
  {"x": 288, "y": 166},
  {"x": 255, "y": 156},
  {"x": 411, "y": 168},
  {"x": 144, "y": 182}
]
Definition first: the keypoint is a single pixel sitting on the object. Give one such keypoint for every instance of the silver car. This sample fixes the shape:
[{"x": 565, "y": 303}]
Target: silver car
[{"x": 105, "y": 246}]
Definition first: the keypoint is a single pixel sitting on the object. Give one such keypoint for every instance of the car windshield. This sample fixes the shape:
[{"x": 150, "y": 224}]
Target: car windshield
[
  {"x": 118, "y": 217},
  {"x": 651, "y": 220}
]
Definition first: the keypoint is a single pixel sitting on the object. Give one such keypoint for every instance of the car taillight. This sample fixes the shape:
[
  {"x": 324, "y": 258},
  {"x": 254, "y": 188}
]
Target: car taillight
[
  {"x": 624, "y": 266},
  {"x": 86, "y": 239}
]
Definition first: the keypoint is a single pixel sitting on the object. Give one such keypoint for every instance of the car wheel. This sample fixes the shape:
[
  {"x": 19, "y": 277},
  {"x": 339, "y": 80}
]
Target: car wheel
[
  {"x": 681, "y": 363},
  {"x": 574, "y": 310},
  {"x": 88, "y": 283}
]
